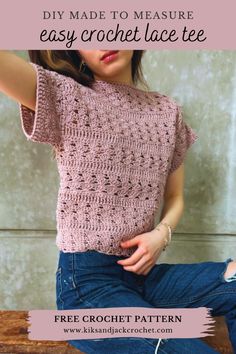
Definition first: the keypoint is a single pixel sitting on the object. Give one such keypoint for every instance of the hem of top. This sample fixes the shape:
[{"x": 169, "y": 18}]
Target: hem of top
[{"x": 79, "y": 250}]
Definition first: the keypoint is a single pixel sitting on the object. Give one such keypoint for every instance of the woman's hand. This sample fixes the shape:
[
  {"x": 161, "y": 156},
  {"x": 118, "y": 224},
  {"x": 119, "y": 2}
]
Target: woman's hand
[{"x": 150, "y": 245}]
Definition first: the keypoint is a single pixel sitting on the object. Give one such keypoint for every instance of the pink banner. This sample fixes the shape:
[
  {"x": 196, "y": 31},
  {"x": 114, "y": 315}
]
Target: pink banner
[
  {"x": 119, "y": 322},
  {"x": 151, "y": 24}
]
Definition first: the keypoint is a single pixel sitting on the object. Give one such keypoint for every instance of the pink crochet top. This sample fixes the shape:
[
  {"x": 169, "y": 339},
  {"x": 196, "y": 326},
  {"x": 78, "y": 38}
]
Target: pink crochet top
[{"x": 115, "y": 147}]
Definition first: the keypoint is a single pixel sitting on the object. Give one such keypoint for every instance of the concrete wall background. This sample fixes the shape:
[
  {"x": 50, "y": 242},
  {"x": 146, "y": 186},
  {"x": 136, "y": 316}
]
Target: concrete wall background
[{"x": 204, "y": 83}]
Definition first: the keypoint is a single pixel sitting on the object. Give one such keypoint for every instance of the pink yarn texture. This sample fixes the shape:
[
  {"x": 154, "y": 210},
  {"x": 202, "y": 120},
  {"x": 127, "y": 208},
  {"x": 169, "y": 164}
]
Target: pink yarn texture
[{"x": 115, "y": 147}]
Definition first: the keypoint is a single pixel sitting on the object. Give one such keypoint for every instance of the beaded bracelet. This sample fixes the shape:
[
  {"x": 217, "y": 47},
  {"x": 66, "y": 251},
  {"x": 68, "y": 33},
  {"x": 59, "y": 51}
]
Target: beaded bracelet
[{"x": 167, "y": 242}]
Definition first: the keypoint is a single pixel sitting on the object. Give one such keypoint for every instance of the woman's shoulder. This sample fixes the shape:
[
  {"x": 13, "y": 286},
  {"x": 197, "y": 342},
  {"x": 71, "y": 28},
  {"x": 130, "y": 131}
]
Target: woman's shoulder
[{"x": 165, "y": 101}]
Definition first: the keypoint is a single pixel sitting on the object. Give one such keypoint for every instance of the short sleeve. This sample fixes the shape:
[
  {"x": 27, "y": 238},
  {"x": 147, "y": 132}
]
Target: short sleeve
[
  {"x": 185, "y": 136},
  {"x": 43, "y": 124}
]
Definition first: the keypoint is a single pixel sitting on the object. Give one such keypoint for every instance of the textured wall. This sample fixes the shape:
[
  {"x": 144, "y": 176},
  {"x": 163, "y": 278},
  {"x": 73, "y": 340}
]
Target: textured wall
[
  {"x": 28, "y": 175},
  {"x": 204, "y": 83}
]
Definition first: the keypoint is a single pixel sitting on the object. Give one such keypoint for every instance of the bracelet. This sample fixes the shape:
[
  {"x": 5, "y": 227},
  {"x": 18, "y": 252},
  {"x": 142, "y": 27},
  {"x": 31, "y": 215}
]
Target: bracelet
[
  {"x": 169, "y": 229},
  {"x": 167, "y": 242}
]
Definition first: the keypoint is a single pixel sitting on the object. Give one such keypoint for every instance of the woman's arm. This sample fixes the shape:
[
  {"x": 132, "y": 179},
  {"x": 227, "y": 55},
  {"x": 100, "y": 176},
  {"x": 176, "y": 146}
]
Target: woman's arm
[
  {"x": 17, "y": 79},
  {"x": 173, "y": 198},
  {"x": 151, "y": 244}
]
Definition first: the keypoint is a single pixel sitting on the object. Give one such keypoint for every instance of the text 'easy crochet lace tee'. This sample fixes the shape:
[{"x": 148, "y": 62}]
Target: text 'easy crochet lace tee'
[{"x": 115, "y": 147}]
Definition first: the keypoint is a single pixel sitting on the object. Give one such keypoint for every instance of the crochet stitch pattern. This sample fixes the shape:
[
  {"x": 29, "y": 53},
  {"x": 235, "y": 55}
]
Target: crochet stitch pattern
[{"x": 115, "y": 147}]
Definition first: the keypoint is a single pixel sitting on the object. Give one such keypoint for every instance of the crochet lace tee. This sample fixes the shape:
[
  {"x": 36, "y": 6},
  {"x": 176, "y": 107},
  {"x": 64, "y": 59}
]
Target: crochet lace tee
[{"x": 115, "y": 147}]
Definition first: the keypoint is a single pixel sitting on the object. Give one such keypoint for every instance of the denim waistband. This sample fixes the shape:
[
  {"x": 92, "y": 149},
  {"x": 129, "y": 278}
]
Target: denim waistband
[{"x": 90, "y": 258}]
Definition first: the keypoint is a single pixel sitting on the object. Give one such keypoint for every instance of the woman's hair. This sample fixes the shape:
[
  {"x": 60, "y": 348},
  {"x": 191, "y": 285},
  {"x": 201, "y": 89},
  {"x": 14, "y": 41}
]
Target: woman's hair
[{"x": 69, "y": 63}]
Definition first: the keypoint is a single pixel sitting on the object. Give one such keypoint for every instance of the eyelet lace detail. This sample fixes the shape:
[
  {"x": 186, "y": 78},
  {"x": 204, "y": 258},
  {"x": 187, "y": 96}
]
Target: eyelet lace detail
[{"x": 115, "y": 147}]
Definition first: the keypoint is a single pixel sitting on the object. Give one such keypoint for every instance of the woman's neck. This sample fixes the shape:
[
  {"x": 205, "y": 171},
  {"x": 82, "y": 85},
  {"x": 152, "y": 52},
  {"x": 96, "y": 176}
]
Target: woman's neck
[{"x": 122, "y": 78}]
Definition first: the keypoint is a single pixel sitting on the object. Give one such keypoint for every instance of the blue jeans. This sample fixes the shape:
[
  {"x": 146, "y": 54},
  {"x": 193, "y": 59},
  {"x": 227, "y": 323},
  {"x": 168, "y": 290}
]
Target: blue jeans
[{"x": 92, "y": 279}]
